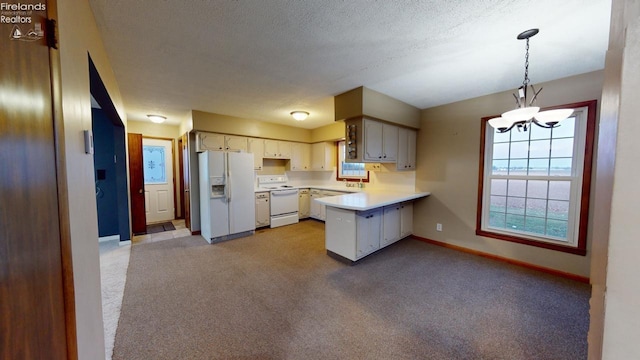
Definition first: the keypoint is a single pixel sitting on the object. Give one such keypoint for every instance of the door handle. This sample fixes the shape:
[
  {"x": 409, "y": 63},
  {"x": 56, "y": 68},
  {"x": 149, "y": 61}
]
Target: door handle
[{"x": 140, "y": 191}]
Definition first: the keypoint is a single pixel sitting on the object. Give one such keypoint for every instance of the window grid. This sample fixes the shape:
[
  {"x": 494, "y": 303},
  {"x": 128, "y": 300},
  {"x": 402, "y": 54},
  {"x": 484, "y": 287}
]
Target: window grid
[{"x": 555, "y": 227}]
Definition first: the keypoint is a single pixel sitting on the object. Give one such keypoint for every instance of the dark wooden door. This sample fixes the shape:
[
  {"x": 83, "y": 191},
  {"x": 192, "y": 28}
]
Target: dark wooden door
[
  {"x": 32, "y": 311},
  {"x": 186, "y": 180},
  {"x": 136, "y": 184}
]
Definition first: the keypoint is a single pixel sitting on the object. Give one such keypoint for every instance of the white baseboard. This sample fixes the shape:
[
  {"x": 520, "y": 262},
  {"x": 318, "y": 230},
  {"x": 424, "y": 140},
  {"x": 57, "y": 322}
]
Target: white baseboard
[
  {"x": 109, "y": 238},
  {"x": 123, "y": 243}
]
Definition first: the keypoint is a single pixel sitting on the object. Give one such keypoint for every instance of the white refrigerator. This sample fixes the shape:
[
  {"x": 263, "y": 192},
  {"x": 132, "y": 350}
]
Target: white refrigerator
[{"x": 227, "y": 200}]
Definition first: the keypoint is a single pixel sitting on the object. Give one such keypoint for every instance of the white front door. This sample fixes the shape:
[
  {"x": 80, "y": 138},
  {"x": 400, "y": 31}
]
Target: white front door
[{"x": 158, "y": 179}]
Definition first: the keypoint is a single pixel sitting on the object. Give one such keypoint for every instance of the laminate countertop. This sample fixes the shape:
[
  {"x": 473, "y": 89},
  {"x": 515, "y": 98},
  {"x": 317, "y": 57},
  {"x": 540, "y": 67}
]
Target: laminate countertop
[{"x": 367, "y": 200}]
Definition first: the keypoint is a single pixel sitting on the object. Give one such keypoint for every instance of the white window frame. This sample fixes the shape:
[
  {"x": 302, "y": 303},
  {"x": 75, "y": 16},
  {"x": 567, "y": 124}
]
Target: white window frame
[
  {"x": 341, "y": 158},
  {"x": 575, "y": 216}
]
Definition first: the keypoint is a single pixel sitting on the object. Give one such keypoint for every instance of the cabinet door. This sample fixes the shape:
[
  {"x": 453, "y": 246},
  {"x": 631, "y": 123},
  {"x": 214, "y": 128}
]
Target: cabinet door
[
  {"x": 303, "y": 205},
  {"x": 314, "y": 206},
  {"x": 300, "y": 157},
  {"x": 406, "y": 220},
  {"x": 389, "y": 143},
  {"x": 403, "y": 155},
  {"x": 235, "y": 143},
  {"x": 270, "y": 148},
  {"x": 390, "y": 224},
  {"x": 372, "y": 140},
  {"x": 262, "y": 209},
  {"x": 323, "y": 156},
  {"x": 209, "y": 141},
  {"x": 284, "y": 150},
  {"x": 368, "y": 226},
  {"x": 411, "y": 149},
  {"x": 256, "y": 147}
]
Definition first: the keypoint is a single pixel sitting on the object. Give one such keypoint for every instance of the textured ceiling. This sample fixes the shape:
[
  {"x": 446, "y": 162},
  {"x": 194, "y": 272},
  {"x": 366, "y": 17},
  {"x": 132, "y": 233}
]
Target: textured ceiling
[{"x": 261, "y": 59}]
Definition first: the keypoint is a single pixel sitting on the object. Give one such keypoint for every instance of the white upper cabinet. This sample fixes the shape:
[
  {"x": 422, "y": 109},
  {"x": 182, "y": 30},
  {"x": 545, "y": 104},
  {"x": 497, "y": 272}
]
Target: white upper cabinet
[
  {"x": 323, "y": 156},
  {"x": 277, "y": 149},
  {"x": 208, "y": 141},
  {"x": 380, "y": 141},
  {"x": 235, "y": 143},
  {"x": 406, "y": 149},
  {"x": 300, "y": 157},
  {"x": 256, "y": 147}
]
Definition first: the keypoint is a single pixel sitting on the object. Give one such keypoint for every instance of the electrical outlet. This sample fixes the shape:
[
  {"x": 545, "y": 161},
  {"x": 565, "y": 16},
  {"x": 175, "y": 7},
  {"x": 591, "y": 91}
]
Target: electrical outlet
[{"x": 438, "y": 227}]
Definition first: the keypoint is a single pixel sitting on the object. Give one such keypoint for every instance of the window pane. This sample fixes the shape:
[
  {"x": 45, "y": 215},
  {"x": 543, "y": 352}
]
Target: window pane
[
  {"x": 537, "y": 207},
  {"x": 539, "y": 149},
  {"x": 560, "y": 167},
  {"x": 540, "y": 133},
  {"x": 496, "y": 219},
  {"x": 537, "y": 189},
  {"x": 566, "y": 128},
  {"x": 498, "y": 187},
  {"x": 514, "y": 222},
  {"x": 519, "y": 135},
  {"x": 500, "y": 167},
  {"x": 539, "y": 167},
  {"x": 154, "y": 167},
  {"x": 517, "y": 188},
  {"x": 557, "y": 228},
  {"x": 518, "y": 167},
  {"x": 535, "y": 225},
  {"x": 515, "y": 205},
  {"x": 501, "y": 151},
  {"x": 498, "y": 203},
  {"x": 561, "y": 148},
  {"x": 519, "y": 150},
  {"x": 501, "y": 137},
  {"x": 558, "y": 210},
  {"x": 559, "y": 190}
]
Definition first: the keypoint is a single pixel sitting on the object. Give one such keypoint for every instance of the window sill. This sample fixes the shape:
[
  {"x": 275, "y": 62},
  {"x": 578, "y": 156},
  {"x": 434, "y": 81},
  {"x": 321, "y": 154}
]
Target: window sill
[{"x": 520, "y": 240}]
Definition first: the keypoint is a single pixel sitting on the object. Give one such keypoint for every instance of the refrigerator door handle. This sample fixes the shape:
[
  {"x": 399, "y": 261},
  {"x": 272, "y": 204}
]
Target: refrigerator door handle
[{"x": 229, "y": 186}]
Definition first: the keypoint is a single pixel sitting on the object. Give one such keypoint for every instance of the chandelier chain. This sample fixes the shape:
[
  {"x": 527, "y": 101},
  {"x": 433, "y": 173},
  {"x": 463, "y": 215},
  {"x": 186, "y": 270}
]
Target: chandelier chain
[{"x": 526, "y": 67}]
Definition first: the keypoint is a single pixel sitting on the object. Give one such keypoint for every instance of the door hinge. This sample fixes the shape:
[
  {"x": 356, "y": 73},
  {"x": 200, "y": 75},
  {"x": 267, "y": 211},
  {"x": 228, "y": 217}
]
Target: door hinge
[{"x": 51, "y": 32}]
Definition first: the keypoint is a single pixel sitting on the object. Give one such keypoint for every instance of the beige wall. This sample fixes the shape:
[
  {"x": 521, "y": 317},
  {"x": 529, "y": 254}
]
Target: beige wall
[
  {"x": 78, "y": 36},
  {"x": 447, "y": 166},
  {"x": 329, "y": 132}
]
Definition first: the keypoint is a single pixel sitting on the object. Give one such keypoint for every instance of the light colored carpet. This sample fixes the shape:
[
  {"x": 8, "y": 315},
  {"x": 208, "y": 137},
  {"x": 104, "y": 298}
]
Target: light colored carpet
[
  {"x": 114, "y": 261},
  {"x": 277, "y": 295}
]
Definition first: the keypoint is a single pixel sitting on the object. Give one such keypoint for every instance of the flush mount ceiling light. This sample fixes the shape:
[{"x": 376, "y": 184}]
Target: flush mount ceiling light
[
  {"x": 158, "y": 119},
  {"x": 299, "y": 115},
  {"x": 526, "y": 114}
]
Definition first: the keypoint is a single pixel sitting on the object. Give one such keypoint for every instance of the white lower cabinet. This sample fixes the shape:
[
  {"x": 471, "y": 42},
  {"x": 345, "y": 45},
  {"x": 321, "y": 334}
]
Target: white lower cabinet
[
  {"x": 397, "y": 223},
  {"x": 304, "y": 206},
  {"x": 368, "y": 226},
  {"x": 391, "y": 225},
  {"x": 355, "y": 234},
  {"x": 406, "y": 220},
  {"x": 263, "y": 212},
  {"x": 315, "y": 208}
]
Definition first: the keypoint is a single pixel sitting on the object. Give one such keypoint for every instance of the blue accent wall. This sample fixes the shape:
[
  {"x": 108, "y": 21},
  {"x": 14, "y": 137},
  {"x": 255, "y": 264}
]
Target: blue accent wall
[{"x": 103, "y": 161}]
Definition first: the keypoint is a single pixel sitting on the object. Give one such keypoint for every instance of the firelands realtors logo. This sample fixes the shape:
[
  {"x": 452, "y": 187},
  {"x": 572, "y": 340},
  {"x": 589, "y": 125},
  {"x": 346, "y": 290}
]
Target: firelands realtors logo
[{"x": 21, "y": 17}]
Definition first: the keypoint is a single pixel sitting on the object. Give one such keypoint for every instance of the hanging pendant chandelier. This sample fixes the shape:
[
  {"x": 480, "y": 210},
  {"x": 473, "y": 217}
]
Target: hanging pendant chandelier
[{"x": 525, "y": 113}]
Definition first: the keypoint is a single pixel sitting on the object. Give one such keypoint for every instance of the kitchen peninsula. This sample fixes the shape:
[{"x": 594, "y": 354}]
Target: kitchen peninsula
[{"x": 361, "y": 223}]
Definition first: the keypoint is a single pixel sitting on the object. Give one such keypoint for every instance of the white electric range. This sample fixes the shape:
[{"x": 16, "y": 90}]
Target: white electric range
[{"x": 284, "y": 199}]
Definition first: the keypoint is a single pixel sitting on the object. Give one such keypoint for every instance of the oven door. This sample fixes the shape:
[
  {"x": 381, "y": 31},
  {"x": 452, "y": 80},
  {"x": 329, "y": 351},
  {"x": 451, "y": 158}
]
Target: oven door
[{"x": 284, "y": 202}]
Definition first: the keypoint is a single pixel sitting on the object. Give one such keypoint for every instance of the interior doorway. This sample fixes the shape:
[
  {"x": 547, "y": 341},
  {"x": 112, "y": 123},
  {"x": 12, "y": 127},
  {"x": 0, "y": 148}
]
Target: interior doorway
[{"x": 159, "y": 184}]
